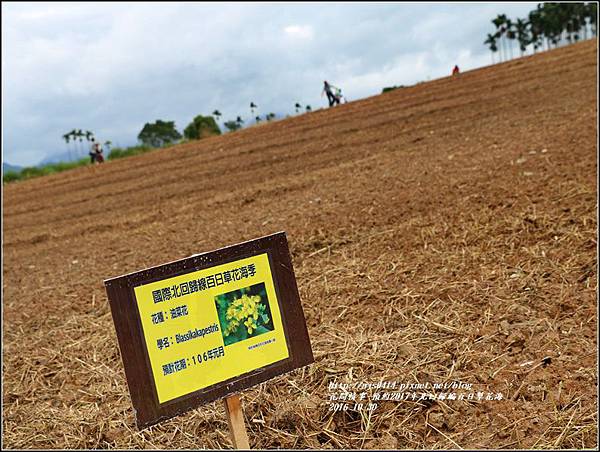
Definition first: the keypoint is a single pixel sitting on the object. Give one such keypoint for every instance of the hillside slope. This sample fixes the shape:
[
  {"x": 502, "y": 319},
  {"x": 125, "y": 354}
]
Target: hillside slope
[{"x": 442, "y": 232}]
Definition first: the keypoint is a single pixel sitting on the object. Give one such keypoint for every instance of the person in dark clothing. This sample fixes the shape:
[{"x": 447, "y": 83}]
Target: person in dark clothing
[
  {"x": 92, "y": 152},
  {"x": 96, "y": 154},
  {"x": 99, "y": 153},
  {"x": 333, "y": 99}
]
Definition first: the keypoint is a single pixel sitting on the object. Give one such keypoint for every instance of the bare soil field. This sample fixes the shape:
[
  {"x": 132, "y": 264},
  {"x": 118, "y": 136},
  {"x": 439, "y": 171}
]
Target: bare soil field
[{"x": 444, "y": 232}]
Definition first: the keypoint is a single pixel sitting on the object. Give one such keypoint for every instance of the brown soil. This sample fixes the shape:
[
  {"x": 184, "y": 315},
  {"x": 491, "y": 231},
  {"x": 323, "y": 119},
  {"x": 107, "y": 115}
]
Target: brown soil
[{"x": 441, "y": 232}]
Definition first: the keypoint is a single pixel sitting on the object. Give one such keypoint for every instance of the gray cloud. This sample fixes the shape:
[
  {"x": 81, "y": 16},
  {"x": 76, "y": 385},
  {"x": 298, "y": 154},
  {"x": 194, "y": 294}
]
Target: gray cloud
[{"x": 111, "y": 67}]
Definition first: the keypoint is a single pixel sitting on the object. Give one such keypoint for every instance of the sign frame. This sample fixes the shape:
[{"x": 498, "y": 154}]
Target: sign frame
[{"x": 133, "y": 347}]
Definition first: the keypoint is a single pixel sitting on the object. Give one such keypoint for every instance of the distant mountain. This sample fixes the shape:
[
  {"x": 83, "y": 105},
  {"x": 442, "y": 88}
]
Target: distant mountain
[{"x": 8, "y": 167}]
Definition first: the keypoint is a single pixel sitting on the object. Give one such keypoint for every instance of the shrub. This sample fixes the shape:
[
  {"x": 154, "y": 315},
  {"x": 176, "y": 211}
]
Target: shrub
[
  {"x": 117, "y": 153},
  {"x": 391, "y": 88},
  {"x": 36, "y": 171},
  {"x": 232, "y": 126},
  {"x": 11, "y": 176},
  {"x": 201, "y": 127}
]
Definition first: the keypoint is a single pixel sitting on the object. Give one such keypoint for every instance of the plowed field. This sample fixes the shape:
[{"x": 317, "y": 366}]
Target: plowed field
[{"x": 444, "y": 232}]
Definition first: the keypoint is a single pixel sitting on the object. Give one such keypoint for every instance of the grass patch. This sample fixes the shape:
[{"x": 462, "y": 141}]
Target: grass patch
[
  {"x": 36, "y": 171},
  {"x": 118, "y": 153},
  {"x": 115, "y": 153}
]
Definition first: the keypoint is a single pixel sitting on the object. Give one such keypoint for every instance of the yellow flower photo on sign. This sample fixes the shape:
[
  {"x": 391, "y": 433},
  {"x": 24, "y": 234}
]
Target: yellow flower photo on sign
[{"x": 244, "y": 313}]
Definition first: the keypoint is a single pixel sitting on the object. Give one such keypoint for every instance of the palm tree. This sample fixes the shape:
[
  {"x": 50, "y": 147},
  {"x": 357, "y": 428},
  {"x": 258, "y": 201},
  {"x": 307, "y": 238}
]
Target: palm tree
[
  {"x": 582, "y": 19},
  {"x": 523, "y": 36},
  {"x": 270, "y": 116},
  {"x": 548, "y": 25},
  {"x": 592, "y": 14},
  {"x": 542, "y": 19},
  {"x": 107, "y": 145},
  {"x": 239, "y": 121},
  {"x": 499, "y": 24},
  {"x": 536, "y": 29},
  {"x": 308, "y": 108},
  {"x": 80, "y": 135},
  {"x": 73, "y": 136},
  {"x": 67, "y": 138},
  {"x": 252, "y": 107},
  {"x": 491, "y": 42},
  {"x": 580, "y": 13},
  {"x": 510, "y": 34},
  {"x": 217, "y": 114},
  {"x": 257, "y": 119},
  {"x": 575, "y": 19},
  {"x": 565, "y": 14},
  {"x": 298, "y": 107}
]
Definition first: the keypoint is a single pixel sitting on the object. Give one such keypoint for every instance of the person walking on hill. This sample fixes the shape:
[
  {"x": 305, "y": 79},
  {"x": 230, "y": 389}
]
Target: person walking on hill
[
  {"x": 456, "y": 70},
  {"x": 96, "y": 154},
  {"x": 327, "y": 89},
  {"x": 92, "y": 152},
  {"x": 99, "y": 153}
]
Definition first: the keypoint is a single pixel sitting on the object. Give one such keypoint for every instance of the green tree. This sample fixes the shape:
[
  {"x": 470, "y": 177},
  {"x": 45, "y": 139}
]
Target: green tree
[
  {"x": 270, "y": 116},
  {"x": 308, "y": 108},
  {"x": 160, "y": 133},
  {"x": 232, "y": 126},
  {"x": 201, "y": 127},
  {"x": 553, "y": 22}
]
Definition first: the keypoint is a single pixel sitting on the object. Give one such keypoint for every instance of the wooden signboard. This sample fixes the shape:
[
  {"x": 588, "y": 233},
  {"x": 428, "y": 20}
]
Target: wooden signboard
[{"x": 205, "y": 327}]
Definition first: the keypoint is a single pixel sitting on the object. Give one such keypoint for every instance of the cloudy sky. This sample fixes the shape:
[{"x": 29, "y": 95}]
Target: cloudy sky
[{"x": 111, "y": 67}]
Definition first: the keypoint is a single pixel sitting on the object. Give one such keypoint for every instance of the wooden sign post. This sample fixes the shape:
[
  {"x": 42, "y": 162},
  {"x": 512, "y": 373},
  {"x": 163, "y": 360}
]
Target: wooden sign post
[
  {"x": 208, "y": 326},
  {"x": 235, "y": 419}
]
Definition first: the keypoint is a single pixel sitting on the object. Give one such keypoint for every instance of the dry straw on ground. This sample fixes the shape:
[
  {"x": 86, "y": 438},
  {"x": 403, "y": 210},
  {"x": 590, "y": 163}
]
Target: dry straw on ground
[{"x": 444, "y": 232}]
